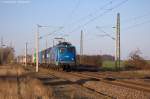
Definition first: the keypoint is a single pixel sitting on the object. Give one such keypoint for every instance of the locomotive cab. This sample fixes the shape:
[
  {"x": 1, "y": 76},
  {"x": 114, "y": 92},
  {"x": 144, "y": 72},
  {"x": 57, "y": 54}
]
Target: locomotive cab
[{"x": 66, "y": 55}]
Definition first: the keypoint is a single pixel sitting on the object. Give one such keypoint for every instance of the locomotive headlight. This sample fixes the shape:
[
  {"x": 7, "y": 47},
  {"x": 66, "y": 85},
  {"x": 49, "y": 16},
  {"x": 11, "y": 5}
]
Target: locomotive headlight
[{"x": 72, "y": 58}]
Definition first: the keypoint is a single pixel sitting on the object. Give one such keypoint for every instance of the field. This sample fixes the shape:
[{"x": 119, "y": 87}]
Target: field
[
  {"x": 148, "y": 61},
  {"x": 110, "y": 65}
]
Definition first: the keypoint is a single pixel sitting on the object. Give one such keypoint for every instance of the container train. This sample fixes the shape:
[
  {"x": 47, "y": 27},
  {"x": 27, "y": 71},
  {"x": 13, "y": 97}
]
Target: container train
[{"x": 62, "y": 55}]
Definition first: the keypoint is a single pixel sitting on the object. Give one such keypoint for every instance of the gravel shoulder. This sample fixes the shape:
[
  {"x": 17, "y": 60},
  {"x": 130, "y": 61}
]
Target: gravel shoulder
[{"x": 109, "y": 90}]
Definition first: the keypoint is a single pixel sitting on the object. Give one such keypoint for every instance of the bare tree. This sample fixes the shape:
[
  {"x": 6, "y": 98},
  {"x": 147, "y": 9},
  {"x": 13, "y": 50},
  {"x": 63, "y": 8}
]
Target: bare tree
[{"x": 135, "y": 60}]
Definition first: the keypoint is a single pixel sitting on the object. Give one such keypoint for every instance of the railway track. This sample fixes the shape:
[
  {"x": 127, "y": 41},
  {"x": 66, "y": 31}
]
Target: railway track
[
  {"x": 52, "y": 74},
  {"x": 125, "y": 80},
  {"x": 107, "y": 79},
  {"x": 117, "y": 82}
]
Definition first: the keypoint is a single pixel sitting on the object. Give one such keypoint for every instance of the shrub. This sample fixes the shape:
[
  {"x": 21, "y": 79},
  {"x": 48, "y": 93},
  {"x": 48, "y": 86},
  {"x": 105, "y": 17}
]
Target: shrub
[{"x": 135, "y": 61}]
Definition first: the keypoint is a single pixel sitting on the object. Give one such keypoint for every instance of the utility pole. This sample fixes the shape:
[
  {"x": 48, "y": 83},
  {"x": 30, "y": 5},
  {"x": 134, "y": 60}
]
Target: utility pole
[
  {"x": 53, "y": 43},
  {"x": 11, "y": 44},
  {"x": 46, "y": 42},
  {"x": 1, "y": 50},
  {"x": 26, "y": 53},
  {"x": 37, "y": 47},
  {"x": 81, "y": 46},
  {"x": 117, "y": 54},
  {"x": 1, "y": 42}
]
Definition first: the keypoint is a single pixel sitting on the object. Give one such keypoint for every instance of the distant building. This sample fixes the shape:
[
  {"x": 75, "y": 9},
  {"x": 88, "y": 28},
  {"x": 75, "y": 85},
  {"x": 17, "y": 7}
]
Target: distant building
[{"x": 21, "y": 59}]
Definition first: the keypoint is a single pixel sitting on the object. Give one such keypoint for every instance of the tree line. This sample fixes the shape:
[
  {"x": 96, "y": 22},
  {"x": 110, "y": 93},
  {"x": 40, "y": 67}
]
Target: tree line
[
  {"x": 94, "y": 60},
  {"x": 6, "y": 55}
]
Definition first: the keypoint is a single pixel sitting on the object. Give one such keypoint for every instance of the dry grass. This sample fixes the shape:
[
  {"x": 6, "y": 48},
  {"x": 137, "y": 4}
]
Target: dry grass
[
  {"x": 8, "y": 89},
  {"x": 33, "y": 89},
  {"x": 13, "y": 86},
  {"x": 11, "y": 71}
]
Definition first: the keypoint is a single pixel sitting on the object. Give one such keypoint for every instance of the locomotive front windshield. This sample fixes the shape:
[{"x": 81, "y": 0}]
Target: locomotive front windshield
[
  {"x": 67, "y": 50},
  {"x": 62, "y": 50}
]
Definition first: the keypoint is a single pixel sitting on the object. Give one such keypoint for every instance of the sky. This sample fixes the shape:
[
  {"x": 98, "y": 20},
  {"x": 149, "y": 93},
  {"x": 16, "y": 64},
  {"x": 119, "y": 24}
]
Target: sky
[{"x": 66, "y": 18}]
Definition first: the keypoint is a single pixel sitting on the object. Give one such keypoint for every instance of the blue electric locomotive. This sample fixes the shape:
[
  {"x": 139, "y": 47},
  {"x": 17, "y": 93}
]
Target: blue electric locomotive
[{"x": 62, "y": 55}]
